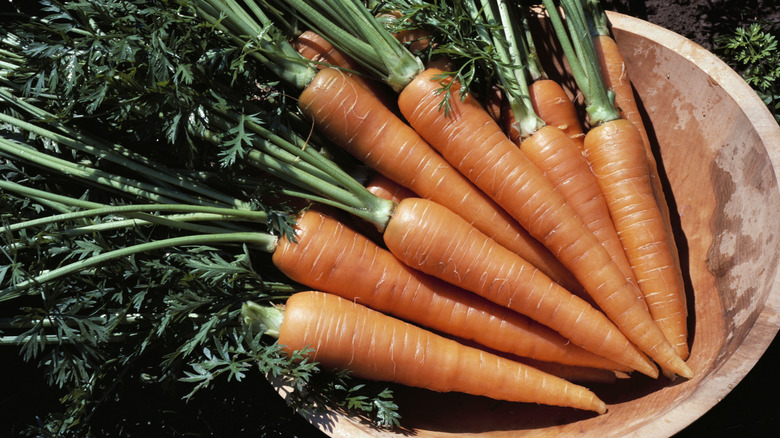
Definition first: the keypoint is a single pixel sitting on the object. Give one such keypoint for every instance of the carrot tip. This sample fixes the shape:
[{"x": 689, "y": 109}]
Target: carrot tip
[
  {"x": 686, "y": 371},
  {"x": 678, "y": 368},
  {"x": 648, "y": 369}
]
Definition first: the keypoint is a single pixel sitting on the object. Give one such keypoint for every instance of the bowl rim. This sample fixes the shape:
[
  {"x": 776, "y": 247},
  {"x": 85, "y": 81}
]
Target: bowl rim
[{"x": 766, "y": 327}]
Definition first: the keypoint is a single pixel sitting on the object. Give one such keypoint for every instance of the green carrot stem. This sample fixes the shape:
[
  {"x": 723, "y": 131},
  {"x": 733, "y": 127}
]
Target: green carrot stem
[
  {"x": 127, "y": 185},
  {"x": 348, "y": 195},
  {"x": 140, "y": 217},
  {"x": 265, "y": 242},
  {"x": 581, "y": 55},
  {"x": 281, "y": 149},
  {"x": 351, "y": 27},
  {"x": 111, "y": 152},
  {"x": 509, "y": 45},
  {"x": 276, "y": 55},
  {"x": 214, "y": 213},
  {"x": 598, "y": 23},
  {"x": 266, "y": 319}
]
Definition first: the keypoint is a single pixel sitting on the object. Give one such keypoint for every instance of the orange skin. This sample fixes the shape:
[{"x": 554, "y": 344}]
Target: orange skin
[
  {"x": 374, "y": 346},
  {"x": 430, "y": 238},
  {"x": 553, "y": 105},
  {"x": 614, "y": 151},
  {"x": 314, "y": 47},
  {"x": 470, "y": 139},
  {"x": 353, "y": 119},
  {"x": 389, "y": 286}
]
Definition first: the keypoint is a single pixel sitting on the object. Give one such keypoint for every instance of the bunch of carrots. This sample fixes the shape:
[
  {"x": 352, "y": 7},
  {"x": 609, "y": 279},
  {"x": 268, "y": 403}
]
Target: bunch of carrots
[
  {"x": 517, "y": 213},
  {"x": 514, "y": 242}
]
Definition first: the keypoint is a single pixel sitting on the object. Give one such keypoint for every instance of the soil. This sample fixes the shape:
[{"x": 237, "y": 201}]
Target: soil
[{"x": 702, "y": 21}]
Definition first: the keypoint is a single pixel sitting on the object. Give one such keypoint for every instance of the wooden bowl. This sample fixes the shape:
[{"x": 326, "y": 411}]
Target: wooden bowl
[{"x": 719, "y": 149}]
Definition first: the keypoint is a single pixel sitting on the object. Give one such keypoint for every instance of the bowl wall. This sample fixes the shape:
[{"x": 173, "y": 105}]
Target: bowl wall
[{"x": 718, "y": 149}]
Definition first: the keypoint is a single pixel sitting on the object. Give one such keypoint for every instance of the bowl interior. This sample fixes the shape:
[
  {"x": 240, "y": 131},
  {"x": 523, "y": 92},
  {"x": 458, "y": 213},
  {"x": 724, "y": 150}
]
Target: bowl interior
[{"x": 717, "y": 148}]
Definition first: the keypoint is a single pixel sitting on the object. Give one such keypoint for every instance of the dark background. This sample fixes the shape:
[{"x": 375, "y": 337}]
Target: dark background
[{"x": 252, "y": 409}]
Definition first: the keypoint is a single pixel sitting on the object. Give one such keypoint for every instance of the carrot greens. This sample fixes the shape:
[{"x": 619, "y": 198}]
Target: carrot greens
[{"x": 157, "y": 245}]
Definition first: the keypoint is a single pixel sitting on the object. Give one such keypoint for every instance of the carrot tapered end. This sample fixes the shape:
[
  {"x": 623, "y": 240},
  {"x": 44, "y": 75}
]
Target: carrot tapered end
[{"x": 677, "y": 367}]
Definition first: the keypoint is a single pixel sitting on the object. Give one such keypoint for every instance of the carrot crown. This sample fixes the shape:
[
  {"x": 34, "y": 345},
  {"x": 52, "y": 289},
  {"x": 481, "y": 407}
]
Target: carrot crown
[
  {"x": 264, "y": 319},
  {"x": 596, "y": 18},
  {"x": 261, "y": 39},
  {"x": 574, "y": 37},
  {"x": 349, "y": 25},
  {"x": 498, "y": 26}
]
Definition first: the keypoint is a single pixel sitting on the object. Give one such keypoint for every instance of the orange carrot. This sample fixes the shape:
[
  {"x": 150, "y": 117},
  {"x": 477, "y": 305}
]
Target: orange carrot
[
  {"x": 469, "y": 137},
  {"x": 316, "y": 48},
  {"x": 554, "y": 106},
  {"x": 420, "y": 235},
  {"x": 353, "y": 119},
  {"x": 614, "y": 151},
  {"x": 615, "y": 77},
  {"x": 386, "y": 284},
  {"x": 613, "y": 69},
  {"x": 374, "y": 346},
  {"x": 473, "y": 143},
  {"x": 574, "y": 373},
  {"x": 562, "y": 162},
  {"x": 617, "y": 155},
  {"x": 466, "y": 136},
  {"x": 560, "y": 159}
]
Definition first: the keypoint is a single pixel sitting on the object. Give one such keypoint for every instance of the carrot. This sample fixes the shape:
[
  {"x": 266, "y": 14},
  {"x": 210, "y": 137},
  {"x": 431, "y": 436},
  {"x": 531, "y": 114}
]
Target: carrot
[
  {"x": 556, "y": 108},
  {"x": 502, "y": 171},
  {"x": 454, "y": 124},
  {"x": 614, "y": 72},
  {"x": 574, "y": 373},
  {"x": 374, "y": 346},
  {"x": 574, "y": 315},
  {"x": 564, "y": 165},
  {"x": 326, "y": 256},
  {"x": 549, "y": 100},
  {"x": 301, "y": 164},
  {"x": 616, "y": 153},
  {"x": 316, "y": 48},
  {"x": 353, "y": 119}
]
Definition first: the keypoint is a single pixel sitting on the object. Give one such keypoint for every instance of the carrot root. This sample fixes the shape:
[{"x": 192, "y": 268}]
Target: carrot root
[
  {"x": 346, "y": 335},
  {"x": 614, "y": 150}
]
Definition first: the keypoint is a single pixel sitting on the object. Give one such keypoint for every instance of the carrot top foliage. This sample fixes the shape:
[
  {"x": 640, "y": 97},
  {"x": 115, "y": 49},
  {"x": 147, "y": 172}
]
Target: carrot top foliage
[{"x": 158, "y": 245}]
